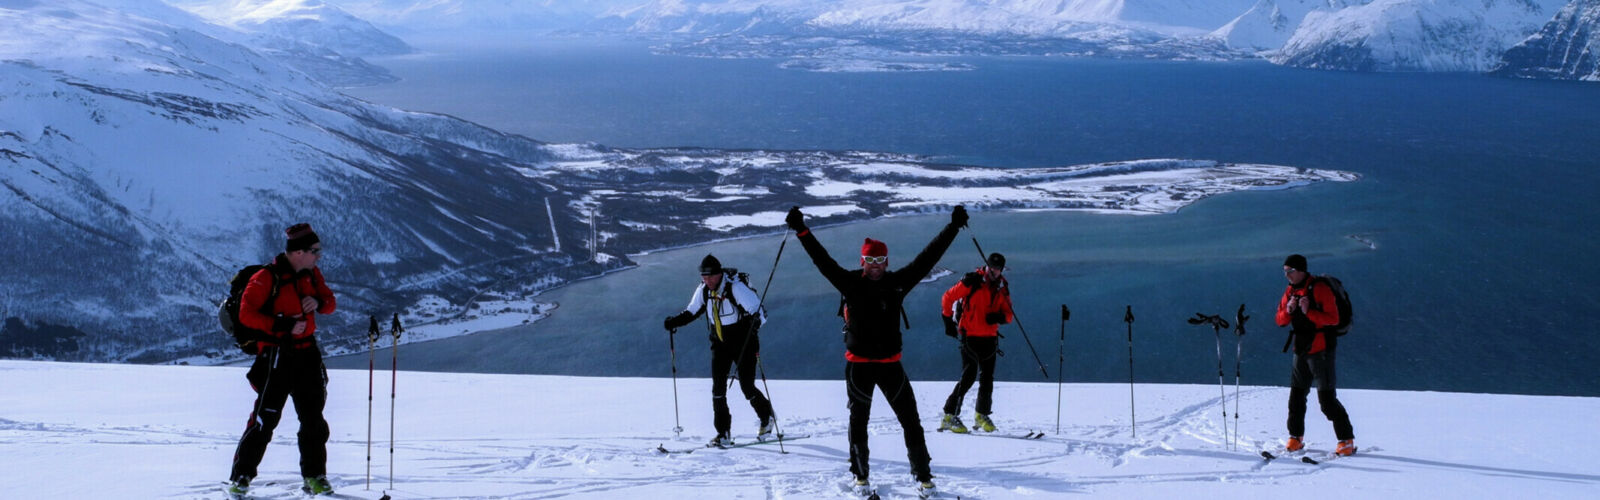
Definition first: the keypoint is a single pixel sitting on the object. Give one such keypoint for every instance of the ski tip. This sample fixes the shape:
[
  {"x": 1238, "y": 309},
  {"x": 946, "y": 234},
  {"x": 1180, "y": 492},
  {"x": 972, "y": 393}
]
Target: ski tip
[
  {"x": 1268, "y": 455},
  {"x": 1309, "y": 460}
]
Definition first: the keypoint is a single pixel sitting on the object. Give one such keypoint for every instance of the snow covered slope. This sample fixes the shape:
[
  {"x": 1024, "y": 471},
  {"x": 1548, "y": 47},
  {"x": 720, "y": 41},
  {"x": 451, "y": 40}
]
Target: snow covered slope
[
  {"x": 308, "y": 35},
  {"x": 1567, "y": 48},
  {"x": 121, "y": 431},
  {"x": 312, "y": 22},
  {"x": 144, "y": 162},
  {"x": 1415, "y": 35},
  {"x": 1270, "y": 23}
]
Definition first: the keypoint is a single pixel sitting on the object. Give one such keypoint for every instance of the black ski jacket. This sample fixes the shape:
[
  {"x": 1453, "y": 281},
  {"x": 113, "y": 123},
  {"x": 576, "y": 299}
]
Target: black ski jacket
[{"x": 872, "y": 321}]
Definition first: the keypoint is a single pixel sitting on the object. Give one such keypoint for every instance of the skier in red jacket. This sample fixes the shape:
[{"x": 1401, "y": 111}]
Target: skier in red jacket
[
  {"x": 973, "y": 311},
  {"x": 1309, "y": 307},
  {"x": 284, "y": 300}
]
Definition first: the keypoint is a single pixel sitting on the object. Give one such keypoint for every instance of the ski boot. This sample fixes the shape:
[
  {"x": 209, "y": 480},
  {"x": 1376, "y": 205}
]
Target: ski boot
[
  {"x": 863, "y": 487},
  {"x": 1294, "y": 444},
  {"x": 238, "y": 488},
  {"x": 926, "y": 488},
  {"x": 1346, "y": 448},
  {"x": 982, "y": 421},
  {"x": 766, "y": 428},
  {"x": 722, "y": 439},
  {"x": 952, "y": 423},
  {"x": 317, "y": 486}
]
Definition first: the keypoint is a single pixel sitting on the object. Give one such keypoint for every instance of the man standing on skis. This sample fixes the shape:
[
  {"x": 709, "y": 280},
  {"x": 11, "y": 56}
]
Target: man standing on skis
[
  {"x": 733, "y": 315},
  {"x": 284, "y": 300},
  {"x": 873, "y": 297},
  {"x": 1309, "y": 307},
  {"x": 973, "y": 311}
]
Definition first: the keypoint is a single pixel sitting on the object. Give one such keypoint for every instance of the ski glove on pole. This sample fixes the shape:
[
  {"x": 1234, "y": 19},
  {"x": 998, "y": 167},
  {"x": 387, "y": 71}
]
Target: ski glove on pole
[
  {"x": 678, "y": 320},
  {"x": 949, "y": 326}
]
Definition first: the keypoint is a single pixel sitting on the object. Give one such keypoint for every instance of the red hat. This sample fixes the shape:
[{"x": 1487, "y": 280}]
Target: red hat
[{"x": 874, "y": 248}]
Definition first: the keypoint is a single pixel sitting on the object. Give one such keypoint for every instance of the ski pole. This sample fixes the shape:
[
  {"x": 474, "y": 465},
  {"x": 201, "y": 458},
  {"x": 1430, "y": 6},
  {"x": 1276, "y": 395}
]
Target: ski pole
[
  {"x": 372, "y": 345},
  {"x": 677, "y": 426},
  {"x": 1061, "y": 362},
  {"x": 1238, "y": 359},
  {"x": 763, "y": 304},
  {"x": 1217, "y": 324},
  {"x": 394, "y": 378},
  {"x": 775, "y": 427},
  {"x": 983, "y": 257},
  {"x": 1132, "y": 416}
]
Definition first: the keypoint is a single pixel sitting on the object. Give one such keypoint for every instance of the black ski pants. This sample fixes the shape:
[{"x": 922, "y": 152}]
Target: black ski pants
[
  {"x": 723, "y": 356},
  {"x": 977, "y": 363},
  {"x": 277, "y": 375},
  {"x": 1316, "y": 368},
  {"x": 860, "y": 379}
]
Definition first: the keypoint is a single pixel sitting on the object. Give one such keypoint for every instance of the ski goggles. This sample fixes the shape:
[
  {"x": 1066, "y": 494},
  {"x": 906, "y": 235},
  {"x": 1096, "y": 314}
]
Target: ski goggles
[{"x": 884, "y": 259}]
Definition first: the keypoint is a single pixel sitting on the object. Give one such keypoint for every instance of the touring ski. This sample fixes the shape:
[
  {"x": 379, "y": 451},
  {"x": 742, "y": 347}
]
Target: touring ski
[
  {"x": 1031, "y": 436},
  {"x": 667, "y": 451}
]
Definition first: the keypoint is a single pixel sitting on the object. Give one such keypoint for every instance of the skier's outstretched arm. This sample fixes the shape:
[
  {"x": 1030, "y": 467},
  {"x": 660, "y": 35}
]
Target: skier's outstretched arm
[
  {"x": 837, "y": 276},
  {"x": 930, "y": 255}
]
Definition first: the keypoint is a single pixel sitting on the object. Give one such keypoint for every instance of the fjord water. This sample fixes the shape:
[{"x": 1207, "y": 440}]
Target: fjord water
[{"x": 1476, "y": 198}]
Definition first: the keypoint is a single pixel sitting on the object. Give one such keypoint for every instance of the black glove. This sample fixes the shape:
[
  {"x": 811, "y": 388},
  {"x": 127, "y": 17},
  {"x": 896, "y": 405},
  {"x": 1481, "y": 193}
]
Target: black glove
[
  {"x": 972, "y": 280},
  {"x": 678, "y": 320},
  {"x": 995, "y": 318},
  {"x": 958, "y": 217},
  {"x": 795, "y": 220},
  {"x": 949, "y": 326}
]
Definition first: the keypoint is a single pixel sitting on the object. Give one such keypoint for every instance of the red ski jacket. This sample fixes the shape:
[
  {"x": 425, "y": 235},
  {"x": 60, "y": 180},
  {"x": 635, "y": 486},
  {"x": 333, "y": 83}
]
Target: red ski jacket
[
  {"x": 975, "y": 305},
  {"x": 1309, "y": 324},
  {"x": 285, "y": 310}
]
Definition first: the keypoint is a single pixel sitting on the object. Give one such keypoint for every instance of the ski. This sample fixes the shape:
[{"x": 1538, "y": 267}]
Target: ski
[
  {"x": 1030, "y": 436},
  {"x": 759, "y": 442},
  {"x": 1322, "y": 458},
  {"x": 1280, "y": 453},
  {"x": 668, "y": 451}
]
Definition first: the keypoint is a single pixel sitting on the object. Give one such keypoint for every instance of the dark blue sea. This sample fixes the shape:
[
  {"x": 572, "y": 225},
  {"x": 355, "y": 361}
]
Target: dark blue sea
[{"x": 1467, "y": 246}]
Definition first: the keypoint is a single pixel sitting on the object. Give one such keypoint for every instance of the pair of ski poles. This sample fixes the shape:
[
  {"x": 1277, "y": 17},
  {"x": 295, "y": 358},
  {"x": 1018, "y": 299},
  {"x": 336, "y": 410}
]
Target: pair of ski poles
[
  {"x": 372, "y": 337},
  {"x": 1217, "y": 324}
]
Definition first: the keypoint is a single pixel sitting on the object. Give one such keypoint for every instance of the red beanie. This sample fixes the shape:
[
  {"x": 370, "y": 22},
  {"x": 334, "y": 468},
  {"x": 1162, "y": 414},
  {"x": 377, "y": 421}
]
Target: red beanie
[{"x": 874, "y": 248}]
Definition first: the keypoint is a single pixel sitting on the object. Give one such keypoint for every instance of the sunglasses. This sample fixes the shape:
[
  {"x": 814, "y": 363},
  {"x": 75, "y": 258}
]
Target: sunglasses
[
  {"x": 313, "y": 251},
  {"x": 874, "y": 260}
]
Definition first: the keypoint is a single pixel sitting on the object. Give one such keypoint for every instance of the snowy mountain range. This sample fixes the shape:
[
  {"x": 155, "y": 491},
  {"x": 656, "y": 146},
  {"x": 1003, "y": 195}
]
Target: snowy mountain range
[
  {"x": 155, "y": 432},
  {"x": 146, "y": 160},
  {"x": 1568, "y": 47},
  {"x": 1415, "y": 35},
  {"x": 861, "y": 35}
]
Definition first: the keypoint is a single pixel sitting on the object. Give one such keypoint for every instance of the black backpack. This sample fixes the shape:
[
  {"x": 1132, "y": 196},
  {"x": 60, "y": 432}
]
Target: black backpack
[
  {"x": 244, "y": 337},
  {"x": 1341, "y": 299}
]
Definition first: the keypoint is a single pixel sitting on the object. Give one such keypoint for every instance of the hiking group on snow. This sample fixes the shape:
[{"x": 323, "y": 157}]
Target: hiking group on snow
[{"x": 272, "y": 309}]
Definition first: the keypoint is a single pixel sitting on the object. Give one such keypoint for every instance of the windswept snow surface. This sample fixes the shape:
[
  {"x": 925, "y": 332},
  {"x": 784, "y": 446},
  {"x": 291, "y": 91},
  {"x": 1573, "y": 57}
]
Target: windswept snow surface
[{"x": 126, "y": 431}]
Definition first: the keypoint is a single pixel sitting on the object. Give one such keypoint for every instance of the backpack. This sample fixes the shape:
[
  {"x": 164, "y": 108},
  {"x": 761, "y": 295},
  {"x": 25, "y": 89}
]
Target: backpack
[
  {"x": 731, "y": 273},
  {"x": 244, "y": 337},
  {"x": 1341, "y": 299}
]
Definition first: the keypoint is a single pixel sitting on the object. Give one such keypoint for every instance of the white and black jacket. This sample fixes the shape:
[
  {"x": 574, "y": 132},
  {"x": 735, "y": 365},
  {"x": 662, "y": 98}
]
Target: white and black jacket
[{"x": 737, "y": 306}]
